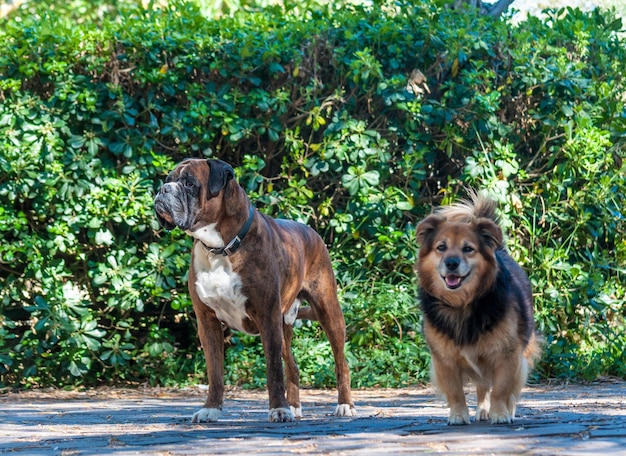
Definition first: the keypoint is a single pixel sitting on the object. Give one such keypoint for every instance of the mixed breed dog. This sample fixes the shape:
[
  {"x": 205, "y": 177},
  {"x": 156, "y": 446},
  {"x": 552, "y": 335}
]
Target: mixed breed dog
[{"x": 251, "y": 273}]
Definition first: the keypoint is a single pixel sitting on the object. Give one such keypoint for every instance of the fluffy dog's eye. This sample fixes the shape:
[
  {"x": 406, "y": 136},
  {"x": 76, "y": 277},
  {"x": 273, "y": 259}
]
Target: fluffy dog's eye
[
  {"x": 441, "y": 247},
  {"x": 468, "y": 249}
]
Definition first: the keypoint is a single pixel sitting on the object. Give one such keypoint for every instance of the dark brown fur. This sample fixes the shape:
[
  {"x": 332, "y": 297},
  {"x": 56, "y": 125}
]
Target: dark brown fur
[{"x": 478, "y": 310}]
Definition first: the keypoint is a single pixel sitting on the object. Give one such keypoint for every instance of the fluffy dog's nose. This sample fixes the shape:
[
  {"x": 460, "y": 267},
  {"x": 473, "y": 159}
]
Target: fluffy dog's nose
[{"x": 452, "y": 263}]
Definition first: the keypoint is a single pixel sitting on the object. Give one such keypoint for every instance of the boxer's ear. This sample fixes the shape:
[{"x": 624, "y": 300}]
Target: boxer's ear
[
  {"x": 235, "y": 199},
  {"x": 220, "y": 173}
]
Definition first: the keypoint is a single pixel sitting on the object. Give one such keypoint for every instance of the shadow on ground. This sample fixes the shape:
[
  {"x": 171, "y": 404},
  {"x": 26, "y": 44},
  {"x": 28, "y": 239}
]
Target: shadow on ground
[{"x": 563, "y": 419}]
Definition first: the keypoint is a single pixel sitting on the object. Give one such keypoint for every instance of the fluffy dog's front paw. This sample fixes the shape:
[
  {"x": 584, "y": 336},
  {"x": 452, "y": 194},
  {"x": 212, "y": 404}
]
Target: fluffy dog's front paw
[
  {"x": 206, "y": 415},
  {"x": 482, "y": 414},
  {"x": 458, "y": 418},
  {"x": 345, "y": 410},
  {"x": 281, "y": 415},
  {"x": 501, "y": 418}
]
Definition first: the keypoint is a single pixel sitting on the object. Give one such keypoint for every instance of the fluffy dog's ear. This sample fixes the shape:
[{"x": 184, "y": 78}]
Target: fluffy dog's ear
[
  {"x": 427, "y": 228},
  {"x": 490, "y": 232},
  {"x": 220, "y": 173}
]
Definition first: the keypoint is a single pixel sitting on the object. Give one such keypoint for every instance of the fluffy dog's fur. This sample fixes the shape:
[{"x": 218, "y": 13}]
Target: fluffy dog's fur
[{"x": 478, "y": 310}]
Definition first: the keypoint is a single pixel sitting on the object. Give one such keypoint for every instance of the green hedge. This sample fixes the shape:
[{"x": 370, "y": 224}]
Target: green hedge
[{"x": 353, "y": 120}]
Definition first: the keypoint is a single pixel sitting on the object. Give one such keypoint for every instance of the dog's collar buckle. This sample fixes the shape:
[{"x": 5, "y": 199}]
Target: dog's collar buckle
[
  {"x": 235, "y": 243},
  {"x": 232, "y": 246}
]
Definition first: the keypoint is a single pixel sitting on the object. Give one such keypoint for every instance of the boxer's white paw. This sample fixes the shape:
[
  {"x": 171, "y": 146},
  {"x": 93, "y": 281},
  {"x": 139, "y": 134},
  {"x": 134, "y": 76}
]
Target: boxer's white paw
[
  {"x": 206, "y": 415},
  {"x": 345, "y": 410},
  {"x": 297, "y": 411},
  {"x": 280, "y": 415}
]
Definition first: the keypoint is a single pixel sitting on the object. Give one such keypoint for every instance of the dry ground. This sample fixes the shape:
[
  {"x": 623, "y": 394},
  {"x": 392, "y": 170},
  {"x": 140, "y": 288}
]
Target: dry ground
[{"x": 552, "y": 420}]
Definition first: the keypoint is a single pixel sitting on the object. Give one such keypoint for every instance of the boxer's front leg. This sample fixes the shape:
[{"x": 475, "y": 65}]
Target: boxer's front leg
[
  {"x": 271, "y": 330},
  {"x": 212, "y": 338}
]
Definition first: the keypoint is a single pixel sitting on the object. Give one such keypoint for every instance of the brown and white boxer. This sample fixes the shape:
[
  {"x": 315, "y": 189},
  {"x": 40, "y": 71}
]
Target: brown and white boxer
[{"x": 251, "y": 272}]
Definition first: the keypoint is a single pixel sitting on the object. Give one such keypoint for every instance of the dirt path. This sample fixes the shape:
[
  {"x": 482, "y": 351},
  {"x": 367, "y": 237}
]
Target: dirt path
[{"x": 563, "y": 420}]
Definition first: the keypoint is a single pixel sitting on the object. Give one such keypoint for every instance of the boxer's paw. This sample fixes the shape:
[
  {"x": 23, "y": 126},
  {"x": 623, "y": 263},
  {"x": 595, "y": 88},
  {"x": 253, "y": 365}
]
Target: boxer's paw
[
  {"x": 280, "y": 415},
  {"x": 345, "y": 410},
  {"x": 297, "y": 411},
  {"x": 206, "y": 415}
]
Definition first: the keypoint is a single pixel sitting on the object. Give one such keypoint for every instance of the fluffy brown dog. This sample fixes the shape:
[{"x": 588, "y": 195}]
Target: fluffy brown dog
[{"x": 478, "y": 310}]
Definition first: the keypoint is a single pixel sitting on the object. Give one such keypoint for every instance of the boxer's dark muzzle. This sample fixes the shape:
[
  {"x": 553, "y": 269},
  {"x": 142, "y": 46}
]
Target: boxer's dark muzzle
[{"x": 170, "y": 209}]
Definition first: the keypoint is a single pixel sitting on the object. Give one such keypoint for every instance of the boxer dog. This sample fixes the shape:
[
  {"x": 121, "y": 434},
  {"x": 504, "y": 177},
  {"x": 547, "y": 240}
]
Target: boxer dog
[{"x": 250, "y": 272}]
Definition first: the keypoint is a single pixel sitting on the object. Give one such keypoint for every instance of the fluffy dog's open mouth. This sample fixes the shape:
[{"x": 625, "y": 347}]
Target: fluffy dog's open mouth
[{"x": 453, "y": 281}]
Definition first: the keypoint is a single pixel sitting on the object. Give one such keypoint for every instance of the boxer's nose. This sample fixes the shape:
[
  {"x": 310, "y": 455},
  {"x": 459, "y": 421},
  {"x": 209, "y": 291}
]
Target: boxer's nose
[{"x": 166, "y": 188}]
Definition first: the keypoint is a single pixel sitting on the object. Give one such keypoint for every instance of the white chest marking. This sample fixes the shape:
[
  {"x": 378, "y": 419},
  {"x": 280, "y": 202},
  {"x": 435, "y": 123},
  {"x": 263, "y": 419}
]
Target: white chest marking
[
  {"x": 218, "y": 286},
  {"x": 209, "y": 235}
]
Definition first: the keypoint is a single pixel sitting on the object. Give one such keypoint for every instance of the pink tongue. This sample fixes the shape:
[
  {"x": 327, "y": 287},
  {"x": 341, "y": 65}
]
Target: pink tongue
[{"x": 453, "y": 281}]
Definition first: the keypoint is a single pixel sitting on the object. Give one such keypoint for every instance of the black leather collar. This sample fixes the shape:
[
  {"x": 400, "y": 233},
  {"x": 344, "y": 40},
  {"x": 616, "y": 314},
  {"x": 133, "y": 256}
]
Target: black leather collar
[{"x": 233, "y": 245}]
